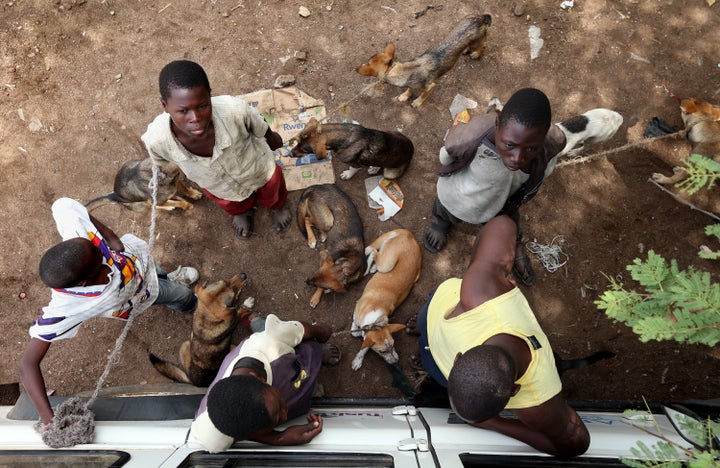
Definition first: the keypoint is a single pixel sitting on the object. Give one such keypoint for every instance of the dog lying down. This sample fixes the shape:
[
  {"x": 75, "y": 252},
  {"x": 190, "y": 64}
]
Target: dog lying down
[
  {"x": 395, "y": 258},
  {"x": 356, "y": 146},
  {"x": 330, "y": 211},
  {"x": 592, "y": 127},
  {"x": 702, "y": 126},
  {"x": 132, "y": 188}
]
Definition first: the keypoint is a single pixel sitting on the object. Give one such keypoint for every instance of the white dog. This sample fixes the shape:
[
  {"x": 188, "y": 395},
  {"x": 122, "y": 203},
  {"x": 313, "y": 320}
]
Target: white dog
[{"x": 592, "y": 127}]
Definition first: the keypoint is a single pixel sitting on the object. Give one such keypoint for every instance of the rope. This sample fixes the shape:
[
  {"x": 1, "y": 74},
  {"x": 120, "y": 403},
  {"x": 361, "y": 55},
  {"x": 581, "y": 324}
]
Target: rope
[
  {"x": 644, "y": 142},
  {"x": 74, "y": 422},
  {"x": 549, "y": 255}
]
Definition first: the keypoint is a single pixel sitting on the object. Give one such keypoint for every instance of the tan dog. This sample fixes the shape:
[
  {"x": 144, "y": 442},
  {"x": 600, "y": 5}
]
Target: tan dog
[
  {"x": 357, "y": 146},
  {"x": 702, "y": 126},
  {"x": 214, "y": 322},
  {"x": 132, "y": 188},
  {"x": 329, "y": 210},
  {"x": 395, "y": 259},
  {"x": 421, "y": 74}
]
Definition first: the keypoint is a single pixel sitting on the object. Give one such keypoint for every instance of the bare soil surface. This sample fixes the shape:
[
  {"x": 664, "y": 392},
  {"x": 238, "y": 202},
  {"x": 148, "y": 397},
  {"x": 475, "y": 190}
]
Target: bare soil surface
[{"x": 78, "y": 86}]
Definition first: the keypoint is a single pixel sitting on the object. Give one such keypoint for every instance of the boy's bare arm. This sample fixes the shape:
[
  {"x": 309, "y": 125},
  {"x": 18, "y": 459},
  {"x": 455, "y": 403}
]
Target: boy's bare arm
[
  {"x": 552, "y": 427},
  {"x": 33, "y": 380},
  {"x": 112, "y": 240}
]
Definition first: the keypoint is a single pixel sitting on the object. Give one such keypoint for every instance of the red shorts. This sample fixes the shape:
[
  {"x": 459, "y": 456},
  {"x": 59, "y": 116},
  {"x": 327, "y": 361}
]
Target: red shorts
[{"x": 272, "y": 195}]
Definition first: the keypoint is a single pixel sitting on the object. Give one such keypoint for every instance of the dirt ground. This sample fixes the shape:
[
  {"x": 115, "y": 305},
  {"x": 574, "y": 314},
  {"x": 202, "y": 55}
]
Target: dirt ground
[{"x": 78, "y": 86}]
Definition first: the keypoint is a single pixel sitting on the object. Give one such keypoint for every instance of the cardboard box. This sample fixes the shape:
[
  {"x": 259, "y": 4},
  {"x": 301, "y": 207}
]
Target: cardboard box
[{"x": 287, "y": 111}]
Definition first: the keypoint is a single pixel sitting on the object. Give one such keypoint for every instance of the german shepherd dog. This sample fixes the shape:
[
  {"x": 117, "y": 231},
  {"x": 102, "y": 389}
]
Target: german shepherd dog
[
  {"x": 420, "y": 75},
  {"x": 702, "y": 126},
  {"x": 395, "y": 258},
  {"x": 357, "y": 146},
  {"x": 214, "y": 322},
  {"x": 332, "y": 213},
  {"x": 132, "y": 188}
]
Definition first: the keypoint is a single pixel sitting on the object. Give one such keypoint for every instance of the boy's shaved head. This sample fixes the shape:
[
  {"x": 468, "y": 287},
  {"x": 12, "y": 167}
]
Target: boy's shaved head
[
  {"x": 181, "y": 74},
  {"x": 529, "y": 107}
]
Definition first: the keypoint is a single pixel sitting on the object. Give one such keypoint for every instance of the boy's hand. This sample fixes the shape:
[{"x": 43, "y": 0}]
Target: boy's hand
[
  {"x": 304, "y": 433},
  {"x": 321, "y": 332},
  {"x": 274, "y": 140}
]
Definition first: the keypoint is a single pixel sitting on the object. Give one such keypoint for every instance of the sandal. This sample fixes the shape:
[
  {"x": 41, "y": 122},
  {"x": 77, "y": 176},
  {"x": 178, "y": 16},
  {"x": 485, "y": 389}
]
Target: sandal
[
  {"x": 436, "y": 236},
  {"x": 522, "y": 267},
  {"x": 331, "y": 354},
  {"x": 411, "y": 326},
  {"x": 243, "y": 225},
  {"x": 281, "y": 219}
]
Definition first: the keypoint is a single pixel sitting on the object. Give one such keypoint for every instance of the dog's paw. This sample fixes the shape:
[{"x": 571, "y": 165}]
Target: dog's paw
[
  {"x": 312, "y": 244},
  {"x": 249, "y": 303},
  {"x": 405, "y": 96},
  {"x": 372, "y": 170},
  {"x": 357, "y": 361},
  {"x": 660, "y": 178},
  {"x": 349, "y": 173}
]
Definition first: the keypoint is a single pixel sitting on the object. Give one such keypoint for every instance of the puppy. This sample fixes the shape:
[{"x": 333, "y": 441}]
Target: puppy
[
  {"x": 357, "y": 146},
  {"x": 214, "y": 322},
  {"x": 132, "y": 188},
  {"x": 420, "y": 75},
  {"x": 592, "y": 127},
  {"x": 329, "y": 210},
  {"x": 702, "y": 126},
  {"x": 395, "y": 258}
]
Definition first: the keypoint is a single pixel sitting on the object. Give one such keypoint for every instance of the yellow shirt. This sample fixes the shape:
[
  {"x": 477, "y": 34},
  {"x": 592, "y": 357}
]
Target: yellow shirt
[{"x": 509, "y": 313}]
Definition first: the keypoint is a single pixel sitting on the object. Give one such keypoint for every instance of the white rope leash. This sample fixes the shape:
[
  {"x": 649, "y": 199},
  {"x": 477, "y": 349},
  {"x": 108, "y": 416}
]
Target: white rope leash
[{"x": 551, "y": 255}]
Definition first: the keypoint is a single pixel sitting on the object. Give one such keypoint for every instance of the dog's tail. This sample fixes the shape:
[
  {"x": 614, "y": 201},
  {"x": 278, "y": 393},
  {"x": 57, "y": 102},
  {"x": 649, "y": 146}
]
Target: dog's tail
[
  {"x": 567, "y": 364},
  {"x": 104, "y": 200},
  {"x": 171, "y": 371}
]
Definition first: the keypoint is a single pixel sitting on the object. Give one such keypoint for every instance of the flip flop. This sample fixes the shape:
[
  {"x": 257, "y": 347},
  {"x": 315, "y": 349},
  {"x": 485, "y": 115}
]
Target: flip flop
[
  {"x": 435, "y": 237},
  {"x": 281, "y": 219},
  {"x": 243, "y": 225},
  {"x": 412, "y": 330},
  {"x": 331, "y": 354},
  {"x": 522, "y": 267}
]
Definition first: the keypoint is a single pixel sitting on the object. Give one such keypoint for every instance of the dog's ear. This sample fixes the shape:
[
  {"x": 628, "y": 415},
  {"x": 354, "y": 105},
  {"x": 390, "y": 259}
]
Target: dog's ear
[
  {"x": 395, "y": 327},
  {"x": 367, "y": 342},
  {"x": 390, "y": 50}
]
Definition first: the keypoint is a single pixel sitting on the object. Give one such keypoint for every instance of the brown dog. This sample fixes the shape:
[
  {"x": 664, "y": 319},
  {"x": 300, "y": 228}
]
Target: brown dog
[
  {"x": 329, "y": 210},
  {"x": 420, "y": 75},
  {"x": 395, "y": 259},
  {"x": 214, "y": 322},
  {"x": 357, "y": 146},
  {"x": 132, "y": 188},
  {"x": 702, "y": 126}
]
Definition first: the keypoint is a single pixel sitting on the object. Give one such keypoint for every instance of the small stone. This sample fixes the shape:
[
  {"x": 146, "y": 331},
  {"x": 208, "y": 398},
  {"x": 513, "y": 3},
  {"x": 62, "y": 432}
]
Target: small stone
[
  {"x": 301, "y": 55},
  {"x": 283, "y": 81},
  {"x": 35, "y": 125},
  {"x": 304, "y": 12},
  {"x": 22, "y": 295}
]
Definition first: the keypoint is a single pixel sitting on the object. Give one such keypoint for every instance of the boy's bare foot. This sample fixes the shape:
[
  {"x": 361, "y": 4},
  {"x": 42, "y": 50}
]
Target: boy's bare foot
[
  {"x": 243, "y": 225},
  {"x": 411, "y": 326},
  {"x": 281, "y": 219},
  {"x": 436, "y": 236},
  {"x": 331, "y": 354}
]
